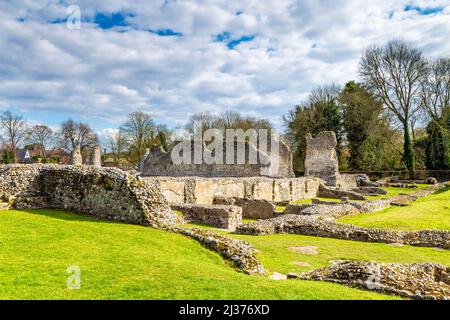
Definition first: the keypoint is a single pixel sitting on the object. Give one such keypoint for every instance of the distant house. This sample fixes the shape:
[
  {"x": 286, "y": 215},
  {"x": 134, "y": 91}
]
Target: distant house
[
  {"x": 30, "y": 153},
  {"x": 60, "y": 154},
  {"x": 35, "y": 153},
  {"x": 22, "y": 155}
]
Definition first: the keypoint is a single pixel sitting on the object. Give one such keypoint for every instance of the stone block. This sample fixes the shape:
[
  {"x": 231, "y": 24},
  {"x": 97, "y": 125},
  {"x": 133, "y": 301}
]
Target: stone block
[{"x": 258, "y": 209}]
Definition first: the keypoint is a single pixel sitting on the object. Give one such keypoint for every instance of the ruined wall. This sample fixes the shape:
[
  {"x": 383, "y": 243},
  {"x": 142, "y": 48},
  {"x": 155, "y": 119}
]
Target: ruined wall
[
  {"x": 157, "y": 162},
  {"x": 329, "y": 228},
  {"x": 321, "y": 159},
  {"x": 421, "y": 281},
  {"x": 92, "y": 156},
  {"x": 195, "y": 190},
  {"x": 221, "y": 216},
  {"x": 104, "y": 193}
]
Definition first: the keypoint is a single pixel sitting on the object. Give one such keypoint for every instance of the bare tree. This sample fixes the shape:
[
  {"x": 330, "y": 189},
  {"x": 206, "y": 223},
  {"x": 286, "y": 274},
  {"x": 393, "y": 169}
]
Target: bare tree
[
  {"x": 117, "y": 142},
  {"x": 225, "y": 120},
  {"x": 40, "y": 135},
  {"x": 199, "y": 122},
  {"x": 436, "y": 89},
  {"x": 140, "y": 132},
  {"x": 14, "y": 128},
  {"x": 394, "y": 74},
  {"x": 76, "y": 134}
]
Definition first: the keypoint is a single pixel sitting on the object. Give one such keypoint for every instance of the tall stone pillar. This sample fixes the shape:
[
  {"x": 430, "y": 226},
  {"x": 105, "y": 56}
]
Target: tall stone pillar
[
  {"x": 96, "y": 156},
  {"x": 76, "y": 158},
  {"x": 321, "y": 158}
]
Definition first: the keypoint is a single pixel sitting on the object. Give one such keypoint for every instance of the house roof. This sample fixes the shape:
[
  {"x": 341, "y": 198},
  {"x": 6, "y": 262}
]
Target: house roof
[
  {"x": 58, "y": 152},
  {"x": 22, "y": 153}
]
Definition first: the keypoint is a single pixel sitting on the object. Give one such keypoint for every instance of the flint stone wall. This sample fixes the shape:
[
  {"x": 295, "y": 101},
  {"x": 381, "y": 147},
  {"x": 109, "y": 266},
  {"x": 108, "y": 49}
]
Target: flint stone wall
[
  {"x": 241, "y": 253},
  {"x": 158, "y": 162},
  {"x": 321, "y": 159},
  {"x": 92, "y": 156},
  {"x": 222, "y": 216},
  {"x": 195, "y": 190},
  {"x": 101, "y": 192},
  {"x": 311, "y": 226},
  {"x": 421, "y": 281},
  {"x": 336, "y": 193},
  {"x": 334, "y": 210},
  {"x": 257, "y": 209}
]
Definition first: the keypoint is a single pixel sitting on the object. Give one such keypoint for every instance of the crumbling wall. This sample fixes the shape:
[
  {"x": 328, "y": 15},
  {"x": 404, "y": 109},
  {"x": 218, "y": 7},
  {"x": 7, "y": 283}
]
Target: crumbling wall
[
  {"x": 321, "y": 159},
  {"x": 421, "y": 281},
  {"x": 328, "y": 228},
  {"x": 222, "y": 216},
  {"x": 158, "y": 162},
  {"x": 195, "y": 190},
  {"x": 105, "y": 193}
]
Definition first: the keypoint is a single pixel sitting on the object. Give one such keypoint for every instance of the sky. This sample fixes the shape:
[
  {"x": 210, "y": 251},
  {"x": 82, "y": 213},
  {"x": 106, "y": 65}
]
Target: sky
[{"x": 173, "y": 58}]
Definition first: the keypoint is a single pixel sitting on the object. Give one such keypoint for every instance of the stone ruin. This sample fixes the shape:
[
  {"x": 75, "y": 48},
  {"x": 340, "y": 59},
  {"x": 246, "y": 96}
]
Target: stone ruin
[
  {"x": 321, "y": 159},
  {"x": 217, "y": 194},
  {"x": 106, "y": 193},
  {"x": 419, "y": 281},
  {"x": 91, "y": 156},
  {"x": 76, "y": 158},
  {"x": 158, "y": 162}
]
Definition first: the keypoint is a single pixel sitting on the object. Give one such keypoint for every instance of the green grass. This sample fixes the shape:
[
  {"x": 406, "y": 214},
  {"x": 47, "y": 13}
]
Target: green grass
[
  {"x": 120, "y": 261},
  {"x": 396, "y": 191},
  {"x": 432, "y": 212},
  {"x": 426, "y": 213},
  {"x": 276, "y": 256}
]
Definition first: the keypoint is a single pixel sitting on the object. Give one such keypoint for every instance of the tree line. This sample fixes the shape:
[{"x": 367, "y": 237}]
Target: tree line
[
  {"x": 397, "y": 116},
  {"x": 126, "y": 146}
]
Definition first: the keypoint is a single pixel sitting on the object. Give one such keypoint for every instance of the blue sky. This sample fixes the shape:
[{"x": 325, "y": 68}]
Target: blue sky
[{"x": 173, "y": 58}]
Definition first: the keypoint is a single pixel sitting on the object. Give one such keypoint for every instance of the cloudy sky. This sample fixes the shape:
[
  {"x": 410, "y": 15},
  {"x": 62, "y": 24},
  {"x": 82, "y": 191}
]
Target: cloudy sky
[{"x": 172, "y": 58}]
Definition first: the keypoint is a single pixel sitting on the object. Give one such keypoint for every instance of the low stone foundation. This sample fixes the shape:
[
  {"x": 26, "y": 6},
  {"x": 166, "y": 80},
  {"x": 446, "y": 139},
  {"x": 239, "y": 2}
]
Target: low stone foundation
[
  {"x": 257, "y": 209},
  {"x": 403, "y": 200},
  {"x": 221, "y": 216},
  {"x": 334, "y": 210},
  {"x": 241, "y": 253},
  {"x": 327, "y": 228},
  {"x": 336, "y": 193},
  {"x": 422, "y": 281}
]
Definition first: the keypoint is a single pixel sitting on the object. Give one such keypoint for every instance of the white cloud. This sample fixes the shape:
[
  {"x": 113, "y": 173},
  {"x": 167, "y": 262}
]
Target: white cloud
[{"x": 104, "y": 74}]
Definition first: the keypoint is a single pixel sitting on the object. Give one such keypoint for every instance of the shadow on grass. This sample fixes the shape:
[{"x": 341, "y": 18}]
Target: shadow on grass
[{"x": 69, "y": 216}]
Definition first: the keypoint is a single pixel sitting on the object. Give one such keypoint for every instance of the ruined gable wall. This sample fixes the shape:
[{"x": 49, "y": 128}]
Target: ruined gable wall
[{"x": 157, "y": 162}]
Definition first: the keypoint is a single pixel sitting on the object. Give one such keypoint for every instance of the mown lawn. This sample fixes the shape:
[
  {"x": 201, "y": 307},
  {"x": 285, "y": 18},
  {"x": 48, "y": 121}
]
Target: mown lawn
[
  {"x": 276, "y": 254},
  {"x": 432, "y": 212},
  {"x": 426, "y": 213},
  {"x": 120, "y": 261}
]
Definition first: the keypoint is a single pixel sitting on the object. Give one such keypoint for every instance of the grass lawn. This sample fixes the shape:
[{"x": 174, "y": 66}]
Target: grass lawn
[
  {"x": 426, "y": 213},
  {"x": 277, "y": 256},
  {"x": 391, "y": 192},
  {"x": 120, "y": 261},
  {"x": 432, "y": 212}
]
